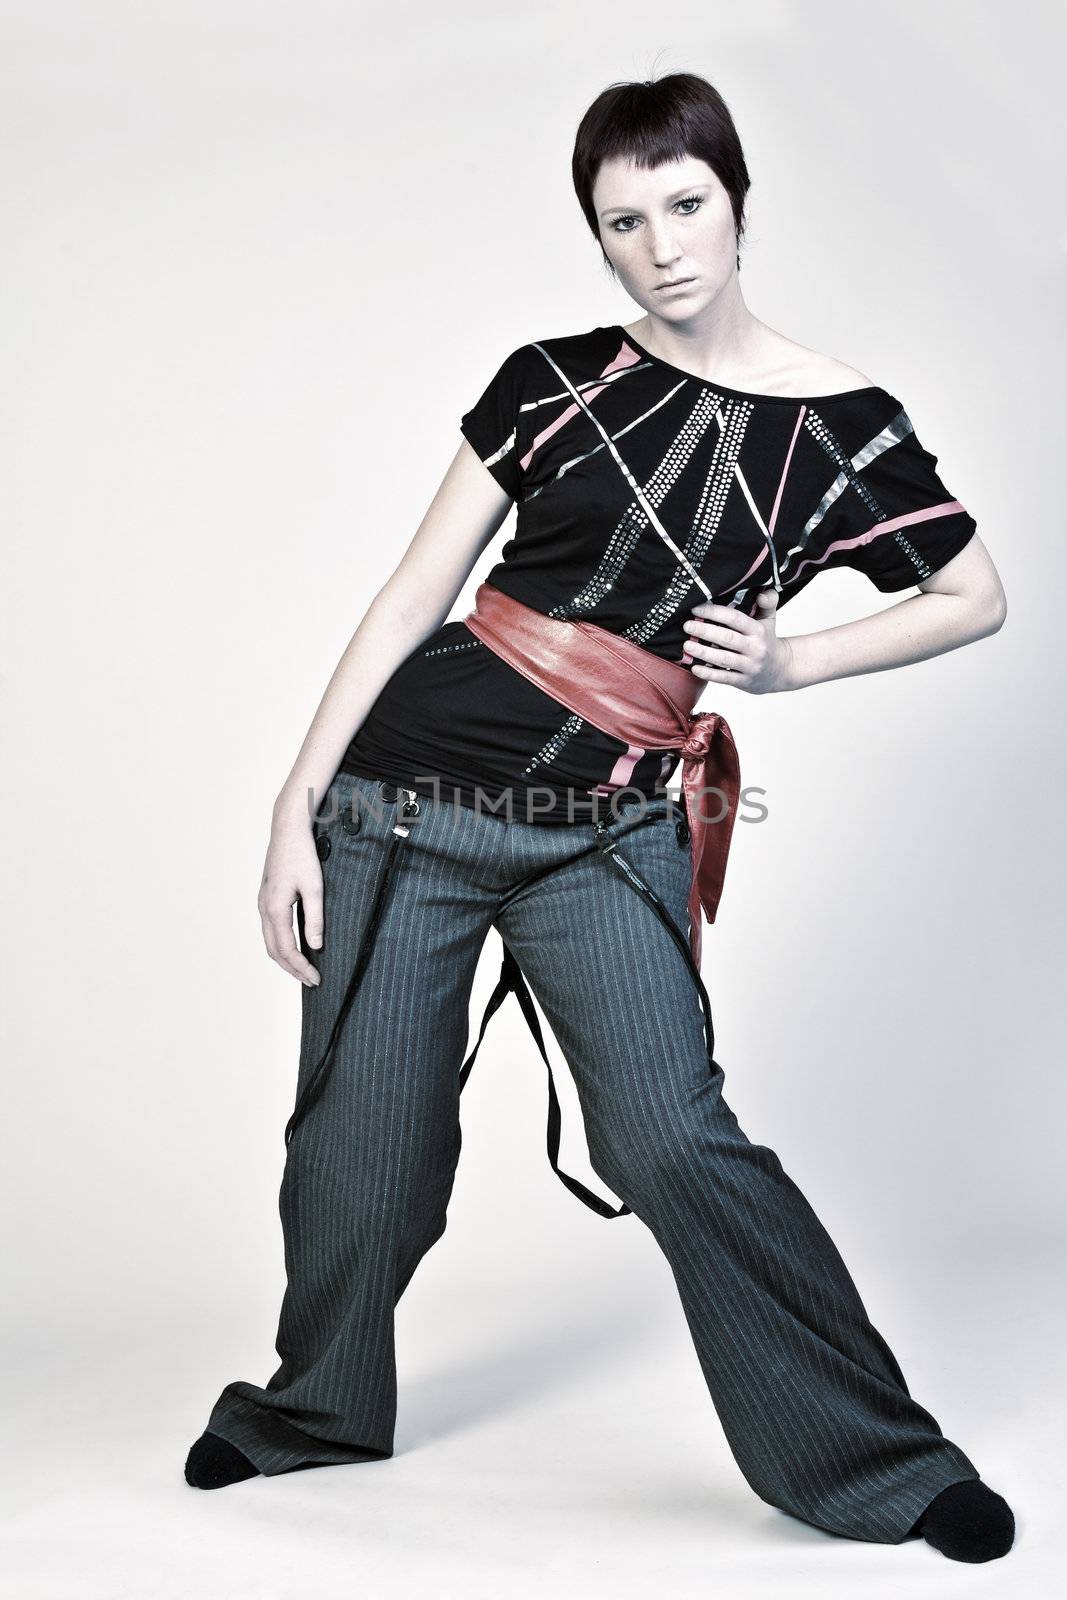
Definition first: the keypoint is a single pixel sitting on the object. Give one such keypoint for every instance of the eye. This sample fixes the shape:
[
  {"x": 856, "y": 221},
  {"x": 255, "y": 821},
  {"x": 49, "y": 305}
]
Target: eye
[{"x": 693, "y": 200}]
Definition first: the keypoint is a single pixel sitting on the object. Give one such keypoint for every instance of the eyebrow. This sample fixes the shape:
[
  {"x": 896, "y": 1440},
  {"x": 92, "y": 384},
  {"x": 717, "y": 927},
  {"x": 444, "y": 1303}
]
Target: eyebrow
[{"x": 625, "y": 211}]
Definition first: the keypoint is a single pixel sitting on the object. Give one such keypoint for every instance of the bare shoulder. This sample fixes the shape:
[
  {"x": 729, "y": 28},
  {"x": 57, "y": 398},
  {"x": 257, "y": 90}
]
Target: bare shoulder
[
  {"x": 816, "y": 373},
  {"x": 802, "y": 370},
  {"x": 838, "y": 375}
]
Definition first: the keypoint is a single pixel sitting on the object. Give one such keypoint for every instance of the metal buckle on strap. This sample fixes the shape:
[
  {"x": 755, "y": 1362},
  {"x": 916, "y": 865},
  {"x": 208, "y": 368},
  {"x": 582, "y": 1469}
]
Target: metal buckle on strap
[
  {"x": 408, "y": 812},
  {"x": 603, "y": 838}
]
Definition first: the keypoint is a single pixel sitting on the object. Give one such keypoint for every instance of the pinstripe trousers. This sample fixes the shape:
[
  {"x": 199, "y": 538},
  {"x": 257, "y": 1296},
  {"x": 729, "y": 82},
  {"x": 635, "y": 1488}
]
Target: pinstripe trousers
[{"x": 812, "y": 1402}]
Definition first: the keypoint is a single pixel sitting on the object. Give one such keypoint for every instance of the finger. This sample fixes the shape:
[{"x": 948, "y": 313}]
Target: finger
[
  {"x": 735, "y": 662},
  {"x": 717, "y": 633},
  {"x": 721, "y": 653},
  {"x": 302, "y": 941},
  {"x": 766, "y": 605},
  {"x": 311, "y": 901},
  {"x": 725, "y": 616},
  {"x": 282, "y": 946},
  {"x": 722, "y": 675}
]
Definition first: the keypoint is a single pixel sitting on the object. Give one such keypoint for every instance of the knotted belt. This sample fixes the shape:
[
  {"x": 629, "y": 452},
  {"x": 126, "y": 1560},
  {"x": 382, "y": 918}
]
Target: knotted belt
[{"x": 633, "y": 695}]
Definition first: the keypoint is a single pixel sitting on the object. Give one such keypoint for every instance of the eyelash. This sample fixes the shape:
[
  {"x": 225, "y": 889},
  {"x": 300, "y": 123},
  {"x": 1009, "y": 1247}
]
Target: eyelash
[{"x": 689, "y": 199}]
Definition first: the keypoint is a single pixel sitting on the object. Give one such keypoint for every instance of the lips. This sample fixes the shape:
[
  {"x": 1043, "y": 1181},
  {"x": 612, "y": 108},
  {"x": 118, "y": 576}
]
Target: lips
[{"x": 675, "y": 283}]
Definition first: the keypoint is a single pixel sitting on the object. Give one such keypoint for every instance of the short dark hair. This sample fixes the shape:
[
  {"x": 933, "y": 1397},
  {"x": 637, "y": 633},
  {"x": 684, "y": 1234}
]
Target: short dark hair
[{"x": 654, "y": 121}]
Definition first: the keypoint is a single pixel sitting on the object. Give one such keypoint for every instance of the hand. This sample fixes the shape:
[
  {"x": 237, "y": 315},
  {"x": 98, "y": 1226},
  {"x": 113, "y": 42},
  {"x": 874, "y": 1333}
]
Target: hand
[
  {"x": 742, "y": 651},
  {"x": 291, "y": 871}
]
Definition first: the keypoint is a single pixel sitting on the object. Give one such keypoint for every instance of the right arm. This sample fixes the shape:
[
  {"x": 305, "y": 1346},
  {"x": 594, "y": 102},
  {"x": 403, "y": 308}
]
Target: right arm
[{"x": 461, "y": 521}]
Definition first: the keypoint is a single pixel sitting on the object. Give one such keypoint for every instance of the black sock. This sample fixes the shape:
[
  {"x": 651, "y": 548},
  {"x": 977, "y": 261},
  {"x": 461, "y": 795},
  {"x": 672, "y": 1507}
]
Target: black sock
[
  {"x": 968, "y": 1521},
  {"x": 214, "y": 1462}
]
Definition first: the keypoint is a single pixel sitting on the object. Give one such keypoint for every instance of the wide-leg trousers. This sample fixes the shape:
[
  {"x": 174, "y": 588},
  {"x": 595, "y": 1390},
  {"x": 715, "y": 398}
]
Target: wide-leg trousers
[{"x": 813, "y": 1404}]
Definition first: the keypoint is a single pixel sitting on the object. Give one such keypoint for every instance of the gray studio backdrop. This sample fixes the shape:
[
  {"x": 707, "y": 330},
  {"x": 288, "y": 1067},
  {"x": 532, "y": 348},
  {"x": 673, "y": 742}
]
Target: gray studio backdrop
[{"x": 258, "y": 259}]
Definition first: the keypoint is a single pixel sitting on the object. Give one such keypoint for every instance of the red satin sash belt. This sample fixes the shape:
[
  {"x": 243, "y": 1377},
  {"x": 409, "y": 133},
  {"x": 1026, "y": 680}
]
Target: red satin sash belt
[{"x": 633, "y": 695}]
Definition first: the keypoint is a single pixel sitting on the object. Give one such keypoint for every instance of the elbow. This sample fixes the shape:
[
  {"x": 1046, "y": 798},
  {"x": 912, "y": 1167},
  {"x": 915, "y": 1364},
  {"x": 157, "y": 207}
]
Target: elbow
[
  {"x": 995, "y": 609},
  {"x": 979, "y": 590},
  {"x": 986, "y": 615}
]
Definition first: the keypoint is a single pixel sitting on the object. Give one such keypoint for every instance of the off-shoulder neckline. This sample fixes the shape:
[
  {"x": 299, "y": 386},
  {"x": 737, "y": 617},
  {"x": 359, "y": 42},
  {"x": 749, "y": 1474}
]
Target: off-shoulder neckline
[{"x": 742, "y": 394}]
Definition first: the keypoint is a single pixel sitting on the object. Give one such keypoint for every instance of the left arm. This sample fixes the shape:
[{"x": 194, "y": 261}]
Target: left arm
[{"x": 962, "y": 602}]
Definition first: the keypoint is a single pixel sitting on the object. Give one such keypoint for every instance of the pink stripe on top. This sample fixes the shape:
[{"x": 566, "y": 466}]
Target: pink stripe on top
[
  {"x": 622, "y": 771},
  {"x": 946, "y": 509}
]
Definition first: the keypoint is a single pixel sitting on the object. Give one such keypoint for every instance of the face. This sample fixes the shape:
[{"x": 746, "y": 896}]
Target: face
[{"x": 670, "y": 222}]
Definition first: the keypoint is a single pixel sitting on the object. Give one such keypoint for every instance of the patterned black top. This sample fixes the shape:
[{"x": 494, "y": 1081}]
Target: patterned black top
[{"x": 641, "y": 491}]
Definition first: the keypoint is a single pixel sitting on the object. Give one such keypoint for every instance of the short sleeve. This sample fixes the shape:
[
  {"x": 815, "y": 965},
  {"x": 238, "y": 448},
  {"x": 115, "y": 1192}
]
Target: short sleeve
[
  {"x": 904, "y": 524},
  {"x": 492, "y": 425}
]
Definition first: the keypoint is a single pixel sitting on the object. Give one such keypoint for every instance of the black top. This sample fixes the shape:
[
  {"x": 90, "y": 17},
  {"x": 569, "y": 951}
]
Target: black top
[{"x": 612, "y": 456}]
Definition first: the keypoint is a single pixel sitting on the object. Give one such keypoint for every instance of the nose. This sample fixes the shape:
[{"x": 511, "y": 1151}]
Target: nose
[{"x": 665, "y": 257}]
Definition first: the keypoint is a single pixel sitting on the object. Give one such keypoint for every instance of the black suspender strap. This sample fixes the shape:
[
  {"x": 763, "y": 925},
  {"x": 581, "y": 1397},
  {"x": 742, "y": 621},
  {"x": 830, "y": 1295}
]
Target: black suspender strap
[
  {"x": 510, "y": 979},
  {"x": 316, "y": 1082}
]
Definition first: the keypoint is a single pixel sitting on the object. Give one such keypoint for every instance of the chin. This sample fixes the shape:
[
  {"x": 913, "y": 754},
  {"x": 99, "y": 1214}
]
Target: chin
[{"x": 677, "y": 310}]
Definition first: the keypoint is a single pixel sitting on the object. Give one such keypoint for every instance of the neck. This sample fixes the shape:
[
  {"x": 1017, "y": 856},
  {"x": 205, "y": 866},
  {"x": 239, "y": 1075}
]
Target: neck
[{"x": 725, "y": 338}]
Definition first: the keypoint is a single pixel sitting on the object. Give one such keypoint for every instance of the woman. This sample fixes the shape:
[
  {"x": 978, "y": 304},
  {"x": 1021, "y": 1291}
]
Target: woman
[{"x": 677, "y": 481}]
